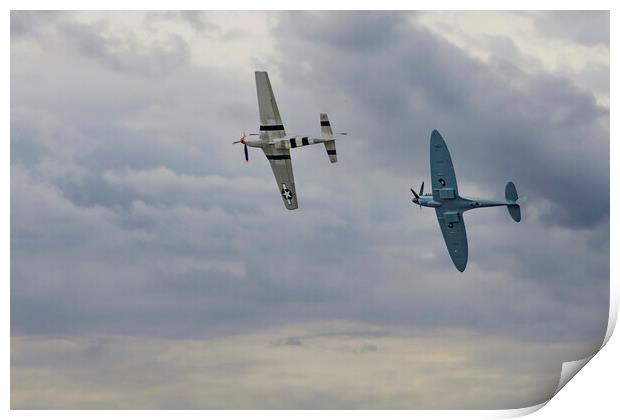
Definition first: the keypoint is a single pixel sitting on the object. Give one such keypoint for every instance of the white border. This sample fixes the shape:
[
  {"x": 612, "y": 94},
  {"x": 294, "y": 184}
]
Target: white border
[{"x": 593, "y": 393}]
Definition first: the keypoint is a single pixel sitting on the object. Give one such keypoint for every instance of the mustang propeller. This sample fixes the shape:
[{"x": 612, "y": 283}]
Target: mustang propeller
[
  {"x": 245, "y": 146},
  {"x": 416, "y": 198}
]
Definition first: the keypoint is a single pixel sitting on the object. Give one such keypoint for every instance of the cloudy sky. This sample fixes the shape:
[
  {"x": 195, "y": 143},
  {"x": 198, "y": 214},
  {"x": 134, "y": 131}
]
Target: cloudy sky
[{"x": 151, "y": 267}]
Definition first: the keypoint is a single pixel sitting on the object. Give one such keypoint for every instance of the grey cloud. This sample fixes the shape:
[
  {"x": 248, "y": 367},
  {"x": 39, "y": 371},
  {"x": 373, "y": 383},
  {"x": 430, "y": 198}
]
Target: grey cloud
[
  {"x": 160, "y": 237},
  {"x": 588, "y": 27},
  {"x": 293, "y": 341},
  {"x": 122, "y": 52},
  {"x": 351, "y": 32},
  {"x": 368, "y": 348},
  {"x": 194, "y": 18},
  {"x": 116, "y": 50},
  {"x": 30, "y": 23}
]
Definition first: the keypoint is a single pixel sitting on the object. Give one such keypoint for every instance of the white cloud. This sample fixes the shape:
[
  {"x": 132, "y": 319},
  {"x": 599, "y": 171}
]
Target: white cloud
[{"x": 323, "y": 365}]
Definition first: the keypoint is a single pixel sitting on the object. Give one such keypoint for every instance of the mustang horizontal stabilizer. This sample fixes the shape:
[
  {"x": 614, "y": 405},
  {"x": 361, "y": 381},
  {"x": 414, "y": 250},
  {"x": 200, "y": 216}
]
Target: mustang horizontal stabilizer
[{"x": 328, "y": 136}]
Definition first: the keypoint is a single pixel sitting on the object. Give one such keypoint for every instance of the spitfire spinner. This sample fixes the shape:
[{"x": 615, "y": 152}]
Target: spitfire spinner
[
  {"x": 450, "y": 206},
  {"x": 277, "y": 146}
]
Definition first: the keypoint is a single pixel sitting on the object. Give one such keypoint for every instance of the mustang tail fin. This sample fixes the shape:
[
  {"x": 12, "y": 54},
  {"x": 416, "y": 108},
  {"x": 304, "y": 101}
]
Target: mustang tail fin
[
  {"x": 328, "y": 136},
  {"x": 511, "y": 196}
]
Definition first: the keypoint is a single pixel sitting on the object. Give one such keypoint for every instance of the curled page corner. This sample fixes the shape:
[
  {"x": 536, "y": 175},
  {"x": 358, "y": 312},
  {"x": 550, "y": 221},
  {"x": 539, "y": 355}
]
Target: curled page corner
[
  {"x": 571, "y": 368},
  {"x": 520, "y": 412},
  {"x": 613, "y": 311}
]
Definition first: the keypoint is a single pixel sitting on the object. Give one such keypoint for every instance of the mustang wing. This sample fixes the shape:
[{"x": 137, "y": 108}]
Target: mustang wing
[
  {"x": 453, "y": 230},
  {"x": 282, "y": 168},
  {"x": 442, "y": 170},
  {"x": 270, "y": 122}
]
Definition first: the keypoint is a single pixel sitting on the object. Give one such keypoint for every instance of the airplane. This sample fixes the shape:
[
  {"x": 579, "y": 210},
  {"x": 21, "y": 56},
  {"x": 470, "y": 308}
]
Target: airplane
[
  {"x": 272, "y": 139},
  {"x": 449, "y": 205}
]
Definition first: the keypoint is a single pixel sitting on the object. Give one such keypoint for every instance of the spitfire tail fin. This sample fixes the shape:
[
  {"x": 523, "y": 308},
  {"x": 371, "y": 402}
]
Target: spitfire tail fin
[
  {"x": 328, "y": 136},
  {"x": 511, "y": 196}
]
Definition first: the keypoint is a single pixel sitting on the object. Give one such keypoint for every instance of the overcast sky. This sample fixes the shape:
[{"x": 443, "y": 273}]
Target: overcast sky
[{"x": 151, "y": 267}]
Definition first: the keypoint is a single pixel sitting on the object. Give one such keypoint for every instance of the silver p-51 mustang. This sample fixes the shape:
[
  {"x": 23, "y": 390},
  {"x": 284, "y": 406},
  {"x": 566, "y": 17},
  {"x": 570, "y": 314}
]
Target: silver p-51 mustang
[
  {"x": 277, "y": 146},
  {"x": 450, "y": 206}
]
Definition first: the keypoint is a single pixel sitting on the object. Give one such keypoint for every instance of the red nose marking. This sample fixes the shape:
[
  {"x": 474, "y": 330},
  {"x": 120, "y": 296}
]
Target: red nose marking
[{"x": 242, "y": 139}]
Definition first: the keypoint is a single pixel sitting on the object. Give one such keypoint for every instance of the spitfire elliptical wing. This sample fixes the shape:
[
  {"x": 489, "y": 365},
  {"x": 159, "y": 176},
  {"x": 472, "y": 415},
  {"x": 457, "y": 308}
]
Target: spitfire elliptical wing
[
  {"x": 454, "y": 234},
  {"x": 445, "y": 189},
  {"x": 442, "y": 171}
]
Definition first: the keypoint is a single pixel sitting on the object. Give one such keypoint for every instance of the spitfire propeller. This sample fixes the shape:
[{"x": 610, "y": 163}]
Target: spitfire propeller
[{"x": 416, "y": 198}]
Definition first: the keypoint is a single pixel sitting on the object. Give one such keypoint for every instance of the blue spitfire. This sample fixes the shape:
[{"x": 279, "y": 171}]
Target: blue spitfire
[{"x": 450, "y": 206}]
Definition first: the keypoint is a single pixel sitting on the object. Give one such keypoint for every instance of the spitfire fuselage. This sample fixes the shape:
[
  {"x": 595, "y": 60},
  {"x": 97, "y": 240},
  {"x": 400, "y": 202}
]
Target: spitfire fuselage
[
  {"x": 459, "y": 203},
  {"x": 427, "y": 201}
]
